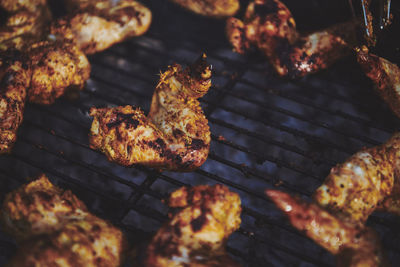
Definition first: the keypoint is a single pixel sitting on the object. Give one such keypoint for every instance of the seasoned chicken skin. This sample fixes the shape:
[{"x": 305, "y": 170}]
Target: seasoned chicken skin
[
  {"x": 211, "y": 8},
  {"x": 269, "y": 26},
  {"x": 196, "y": 233},
  {"x": 354, "y": 245},
  {"x": 97, "y": 25},
  {"x": 366, "y": 181},
  {"x": 174, "y": 136},
  {"x": 57, "y": 230},
  {"x": 58, "y": 66},
  {"x": 43, "y": 72},
  {"x": 39, "y": 207},
  {"x": 23, "y": 17},
  {"x": 15, "y": 76},
  {"x": 384, "y": 74}
]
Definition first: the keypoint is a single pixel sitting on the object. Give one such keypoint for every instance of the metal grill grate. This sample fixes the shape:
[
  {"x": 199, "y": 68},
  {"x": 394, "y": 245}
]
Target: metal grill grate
[{"x": 266, "y": 132}]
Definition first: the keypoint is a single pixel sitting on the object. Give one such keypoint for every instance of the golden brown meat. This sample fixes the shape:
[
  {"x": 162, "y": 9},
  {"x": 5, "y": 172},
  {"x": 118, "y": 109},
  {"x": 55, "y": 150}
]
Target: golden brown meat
[
  {"x": 196, "y": 233},
  {"x": 39, "y": 207},
  {"x": 211, "y": 8},
  {"x": 174, "y": 136},
  {"x": 56, "y": 229},
  {"x": 269, "y": 26},
  {"x": 15, "y": 76},
  {"x": 385, "y": 76},
  {"x": 57, "y": 66},
  {"x": 354, "y": 245},
  {"x": 90, "y": 242},
  {"x": 368, "y": 179},
  {"x": 23, "y": 17},
  {"x": 99, "y": 24}
]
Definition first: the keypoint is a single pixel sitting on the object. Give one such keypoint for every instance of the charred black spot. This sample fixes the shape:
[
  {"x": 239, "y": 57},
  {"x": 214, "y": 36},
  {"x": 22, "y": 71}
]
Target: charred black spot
[
  {"x": 44, "y": 196},
  {"x": 161, "y": 143},
  {"x": 177, "y": 133},
  {"x": 126, "y": 118},
  {"x": 197, "y": 144},
  {"x": 199, "y": 222},
  {"x": 177, "y": 230},
  {"x": 96, "y": 228},
  {"x": 263, "y": 10}
]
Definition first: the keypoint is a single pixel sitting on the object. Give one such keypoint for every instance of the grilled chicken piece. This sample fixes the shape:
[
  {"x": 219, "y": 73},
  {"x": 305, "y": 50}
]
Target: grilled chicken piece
[
  {"x": 269, "y": 26},
  {"x": 367, "y": 180},
  {"x": 23, "y": 17},
  {"x": 84, "y": 242},
  {"x": 43, "y": 72},
  {"x": 100, "y": 24},
  {"x": 197, "y": 231},
  {"x": 15, "y": 76},
  {"x": 174, "y": 136},
  {"x": 57, "y": 67},
  {"x": 211, "y": 8},
  {"x": 384, "y": 74},
  {"x": 55, "y": 229},
  {"x": 38, "y": 208},
  {"x": 353, "y": 244}
]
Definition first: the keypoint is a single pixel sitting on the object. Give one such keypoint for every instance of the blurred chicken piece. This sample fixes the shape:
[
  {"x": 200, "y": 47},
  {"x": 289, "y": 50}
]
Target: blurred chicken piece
[
  {"x": 197, "y": 232},
  {"x": 367, "y": 180},
  {"x": 211, "y": 8},
  {"x": 97, "y": 25},
  {"x": 354, "y": 245},
  {"x": 15, "y": 76},
  {"x": 57, "y": 66},
  {"x": 87, "y": 242},
  {"x": 269, "y": 25},
  {"x": 39, "y": 207},
  {"x": 174, "y": 136},
  {"x": 384, "y": 74},
  {"x": 57, "y": 230},
  {"x": 23, "y": 17}
]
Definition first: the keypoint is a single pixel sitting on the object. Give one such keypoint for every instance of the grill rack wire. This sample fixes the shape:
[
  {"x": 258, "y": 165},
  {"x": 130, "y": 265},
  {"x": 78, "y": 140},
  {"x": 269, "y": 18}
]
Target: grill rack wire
[{"x": 266, "y": 133}]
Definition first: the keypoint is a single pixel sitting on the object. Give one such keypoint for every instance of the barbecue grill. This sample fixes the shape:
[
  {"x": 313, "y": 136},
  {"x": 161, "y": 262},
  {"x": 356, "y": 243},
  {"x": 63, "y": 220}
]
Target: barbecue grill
[{"x": 267, "y": 132}]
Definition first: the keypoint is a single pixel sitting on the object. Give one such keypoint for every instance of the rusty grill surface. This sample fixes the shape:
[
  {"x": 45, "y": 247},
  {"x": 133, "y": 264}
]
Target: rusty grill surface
[{"x": 266, "y": 133}]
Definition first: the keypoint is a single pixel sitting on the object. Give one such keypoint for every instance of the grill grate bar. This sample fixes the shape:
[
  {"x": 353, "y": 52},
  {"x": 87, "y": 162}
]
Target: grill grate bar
[
  {"x": 243, "y": 114},
  {"x": 147, "y": 212},
  {"x": 306, "y": 102}
]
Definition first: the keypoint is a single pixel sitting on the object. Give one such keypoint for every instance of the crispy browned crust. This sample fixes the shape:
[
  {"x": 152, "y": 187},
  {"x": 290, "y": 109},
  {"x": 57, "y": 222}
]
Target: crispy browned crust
[
  {"x": 54, "y": 226},
  {"x": 211, "y": 8},
  {"x": 358, "y": 186},
  {"x": 384, "y": 74},
  {"x": 23, "y": 18},
  {"x": 269, "y": 26},
  {"x": 174, "y": 136},
  {"x": 15, "y": 75},
  {"x": 57, "y": 67},
  {"x": 354, "y": 245},
  {"x": 38, "y": 207},
  {"x": 97, "y": 25},
  {"x": 203, "y": 218}
]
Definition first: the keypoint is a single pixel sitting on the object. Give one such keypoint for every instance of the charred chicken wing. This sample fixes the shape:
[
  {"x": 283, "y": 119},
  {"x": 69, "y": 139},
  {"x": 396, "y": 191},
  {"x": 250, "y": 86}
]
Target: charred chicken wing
[
  {"x": 384, "y": 74},
  {"x": 354, "y": 245},
  {"x": 174, "y": 136},
  {"x": 366, "y": 181},
  {"x": 196, "y": 233},
  {"x": 57, "y": 230},
  {"x": 269, "y": 26},
  {"x": 43, "y": 72},
  {"x": 58, "y": 66},
  {"x": 23, "y": 17},
  {"x": 96, "y": 25},
  {"x": 15, "y": 77},
  {"x": 211, "y": 8}
]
